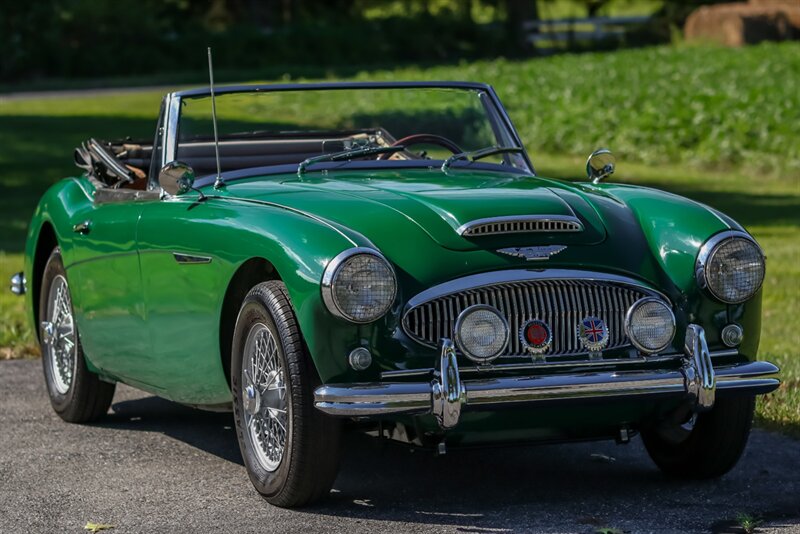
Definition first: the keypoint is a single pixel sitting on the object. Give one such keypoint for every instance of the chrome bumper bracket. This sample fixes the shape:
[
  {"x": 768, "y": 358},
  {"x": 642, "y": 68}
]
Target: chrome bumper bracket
[{"x": 446, "y": 395}]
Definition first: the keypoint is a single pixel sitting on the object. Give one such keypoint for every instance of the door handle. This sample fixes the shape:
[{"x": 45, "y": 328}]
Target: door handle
[{"x": 82, "y": 227}]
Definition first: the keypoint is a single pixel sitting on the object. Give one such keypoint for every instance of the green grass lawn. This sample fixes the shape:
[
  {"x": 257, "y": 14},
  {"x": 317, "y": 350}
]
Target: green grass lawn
[{"x": 715, "y": 125}]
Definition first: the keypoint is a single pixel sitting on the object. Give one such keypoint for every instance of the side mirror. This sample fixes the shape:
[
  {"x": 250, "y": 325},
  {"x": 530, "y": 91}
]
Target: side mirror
[
  {"x": 601, "y": 163},
  {"x": 176, "y": 178}
]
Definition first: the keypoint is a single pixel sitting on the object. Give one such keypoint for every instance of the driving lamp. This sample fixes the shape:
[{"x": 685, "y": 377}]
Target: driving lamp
[
  {"x": 481, "y": 333},
  {"x": 650, "y": 325}
]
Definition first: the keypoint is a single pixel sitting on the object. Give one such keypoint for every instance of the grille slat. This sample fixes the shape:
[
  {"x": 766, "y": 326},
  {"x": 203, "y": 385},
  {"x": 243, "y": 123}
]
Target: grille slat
[{"x": 560, "y": 303}]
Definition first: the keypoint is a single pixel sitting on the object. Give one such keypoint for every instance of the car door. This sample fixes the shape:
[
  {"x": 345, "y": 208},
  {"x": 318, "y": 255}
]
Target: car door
[
  {"x": 184, "y": 278},
  {"x": 106, "y": 282}
]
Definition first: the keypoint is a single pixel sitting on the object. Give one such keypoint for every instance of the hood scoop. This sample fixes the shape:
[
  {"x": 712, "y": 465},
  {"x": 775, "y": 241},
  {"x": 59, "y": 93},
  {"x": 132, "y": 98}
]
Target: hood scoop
[{"x": 520, "y": 224}]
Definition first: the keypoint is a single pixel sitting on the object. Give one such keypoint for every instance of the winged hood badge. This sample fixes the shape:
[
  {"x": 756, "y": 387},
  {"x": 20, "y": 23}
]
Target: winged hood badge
[{"x": 533, "y": 253}]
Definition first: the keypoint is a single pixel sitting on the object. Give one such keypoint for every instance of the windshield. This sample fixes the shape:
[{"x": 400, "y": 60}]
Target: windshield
[{"x": 280, "y": 128}]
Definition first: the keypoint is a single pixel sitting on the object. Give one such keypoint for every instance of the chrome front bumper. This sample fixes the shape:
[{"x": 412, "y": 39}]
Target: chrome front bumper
[{"x": 446, "y": 394}]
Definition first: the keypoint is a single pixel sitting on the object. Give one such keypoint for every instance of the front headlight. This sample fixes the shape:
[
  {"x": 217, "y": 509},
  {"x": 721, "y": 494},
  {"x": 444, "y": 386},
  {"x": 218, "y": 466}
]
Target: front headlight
[
  {"x": 359, "y": 285},
  {"x": 730, "y": 267}
]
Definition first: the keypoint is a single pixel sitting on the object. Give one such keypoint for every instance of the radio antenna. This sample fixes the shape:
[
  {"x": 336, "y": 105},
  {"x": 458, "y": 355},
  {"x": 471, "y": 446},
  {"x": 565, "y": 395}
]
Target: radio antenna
[{"x": 218, "y": 182}]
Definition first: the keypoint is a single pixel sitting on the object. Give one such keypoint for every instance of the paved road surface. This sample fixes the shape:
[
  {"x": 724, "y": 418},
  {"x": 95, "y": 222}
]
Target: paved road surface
[{"x": 154, "y": 466}]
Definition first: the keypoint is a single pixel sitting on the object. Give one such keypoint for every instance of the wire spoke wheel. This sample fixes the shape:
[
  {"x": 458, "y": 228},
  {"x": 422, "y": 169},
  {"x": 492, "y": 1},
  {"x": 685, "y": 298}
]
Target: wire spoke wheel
[
  {"x": 58, "y": 335},
  {"x": 264, "y": 396}
]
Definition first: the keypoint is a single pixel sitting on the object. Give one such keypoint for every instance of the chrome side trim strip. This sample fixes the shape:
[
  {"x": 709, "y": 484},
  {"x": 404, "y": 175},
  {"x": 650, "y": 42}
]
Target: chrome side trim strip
[
  {"x": 517, "y": 224},
  {"x": 19, "y": 286},
  {"x": 188, "y": 259}
]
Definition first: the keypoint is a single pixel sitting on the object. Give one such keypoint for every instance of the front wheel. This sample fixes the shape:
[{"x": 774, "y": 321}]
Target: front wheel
[
  {"x": 708, "y": 445},
  {"x": 290, "y": 449}
]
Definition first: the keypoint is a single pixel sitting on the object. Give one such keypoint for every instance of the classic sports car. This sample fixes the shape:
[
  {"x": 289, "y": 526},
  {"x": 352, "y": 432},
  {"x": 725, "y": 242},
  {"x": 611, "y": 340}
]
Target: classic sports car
[{"x": 385, "y": 254}]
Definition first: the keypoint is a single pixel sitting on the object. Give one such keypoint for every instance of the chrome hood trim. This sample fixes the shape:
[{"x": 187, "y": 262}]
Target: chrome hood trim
[{"x": 520, "y": 224}]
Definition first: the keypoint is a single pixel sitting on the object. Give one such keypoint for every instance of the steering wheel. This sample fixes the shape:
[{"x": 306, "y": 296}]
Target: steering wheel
[{"x": 428, "y": 139}]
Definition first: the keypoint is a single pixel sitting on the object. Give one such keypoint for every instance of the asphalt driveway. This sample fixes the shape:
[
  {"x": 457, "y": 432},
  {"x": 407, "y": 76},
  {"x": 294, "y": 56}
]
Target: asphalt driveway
[{"x": 154, "y": 466}]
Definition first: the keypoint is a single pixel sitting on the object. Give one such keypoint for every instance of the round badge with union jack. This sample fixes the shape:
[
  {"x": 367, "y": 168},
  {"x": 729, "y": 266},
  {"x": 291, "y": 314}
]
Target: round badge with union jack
[
  {"x": 593, "y": 333},
  {"x": 536, "y": 336}
]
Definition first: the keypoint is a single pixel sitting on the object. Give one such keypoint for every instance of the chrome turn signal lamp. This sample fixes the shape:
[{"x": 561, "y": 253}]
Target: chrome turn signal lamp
[
  {"x": 650, "y": 325},
  {"x": 359, "y": 359},
  {"x": 732, "y": 335},
  {"x": 481, "y": 333}
]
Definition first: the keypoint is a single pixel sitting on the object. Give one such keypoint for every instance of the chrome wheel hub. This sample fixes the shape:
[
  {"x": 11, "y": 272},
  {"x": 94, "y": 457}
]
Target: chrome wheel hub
[
  {"x": 59, "y": 336},
  {"x": 264, "y": 396}
]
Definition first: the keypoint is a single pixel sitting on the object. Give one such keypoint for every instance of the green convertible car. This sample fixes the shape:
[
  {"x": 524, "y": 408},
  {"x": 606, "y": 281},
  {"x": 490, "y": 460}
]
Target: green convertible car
[{"x": 384, "y": 256}]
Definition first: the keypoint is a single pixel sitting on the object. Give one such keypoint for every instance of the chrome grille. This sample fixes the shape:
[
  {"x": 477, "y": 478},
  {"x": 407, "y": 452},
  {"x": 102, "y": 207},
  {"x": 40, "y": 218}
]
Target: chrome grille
[
  {"x": 560, "y": 303},
  {"x": 520, "y": 225}
]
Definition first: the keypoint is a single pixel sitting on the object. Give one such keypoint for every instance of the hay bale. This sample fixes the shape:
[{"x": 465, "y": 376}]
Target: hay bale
[{"x": 739, "y": 24}]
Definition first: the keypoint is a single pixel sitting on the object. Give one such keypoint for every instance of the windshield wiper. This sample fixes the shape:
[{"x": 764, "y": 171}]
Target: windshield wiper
[
  {"x": 348, "y": 155},
  {"x": 480, "y": 154}
]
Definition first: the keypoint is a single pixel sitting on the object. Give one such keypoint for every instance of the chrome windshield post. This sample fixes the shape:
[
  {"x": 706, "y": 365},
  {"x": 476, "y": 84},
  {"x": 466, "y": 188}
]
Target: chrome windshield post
[
  {"x": 447, "y": 391},
  {"x": 698, "y": 370}
]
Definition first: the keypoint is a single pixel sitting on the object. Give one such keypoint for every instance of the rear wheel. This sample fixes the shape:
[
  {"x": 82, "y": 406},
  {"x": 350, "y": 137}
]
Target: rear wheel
[
  {"x": 708, "y": 445},
  {"x": 290, "y": 449},
  {"x": 76, "y": 394}
]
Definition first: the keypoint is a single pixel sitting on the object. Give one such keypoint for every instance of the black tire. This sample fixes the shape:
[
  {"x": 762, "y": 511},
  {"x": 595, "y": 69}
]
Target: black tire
[
  {"x": 87, "y": 398},
  {"x": 310, "y": 457},
  {"x": 711, "y": 448}
]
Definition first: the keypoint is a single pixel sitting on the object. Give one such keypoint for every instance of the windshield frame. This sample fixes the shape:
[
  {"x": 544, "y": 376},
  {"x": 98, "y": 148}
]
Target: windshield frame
[{"x": 172, "y": 109}]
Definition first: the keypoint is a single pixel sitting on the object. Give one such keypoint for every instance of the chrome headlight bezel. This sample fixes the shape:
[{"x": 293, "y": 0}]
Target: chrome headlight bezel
[
  {"x": 629, "y": 325},
  {"x": 329, "y": 278},
  {"x": 706, "y": 256}
]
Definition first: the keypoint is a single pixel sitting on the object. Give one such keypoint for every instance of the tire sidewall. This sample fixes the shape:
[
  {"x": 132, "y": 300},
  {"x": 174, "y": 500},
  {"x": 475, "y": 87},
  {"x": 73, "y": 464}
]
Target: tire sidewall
[{"x": 268, "y": 483}]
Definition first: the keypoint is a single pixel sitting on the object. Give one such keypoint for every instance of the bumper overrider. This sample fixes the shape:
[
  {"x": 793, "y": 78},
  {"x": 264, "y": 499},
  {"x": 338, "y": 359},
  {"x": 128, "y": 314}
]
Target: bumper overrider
[{"x": 446, "y": 394}]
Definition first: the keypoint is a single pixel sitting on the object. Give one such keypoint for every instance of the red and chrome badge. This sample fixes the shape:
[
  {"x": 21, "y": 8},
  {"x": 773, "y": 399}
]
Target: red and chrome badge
[{"x": 536, "y": 336}]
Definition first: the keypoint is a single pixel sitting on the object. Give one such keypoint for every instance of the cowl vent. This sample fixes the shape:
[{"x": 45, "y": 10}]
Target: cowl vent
[{"x": 520, "y": 225}]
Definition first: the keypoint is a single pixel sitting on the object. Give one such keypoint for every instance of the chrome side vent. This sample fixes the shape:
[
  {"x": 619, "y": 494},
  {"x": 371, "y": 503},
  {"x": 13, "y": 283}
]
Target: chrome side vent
[{"x": 521, "y": 225}]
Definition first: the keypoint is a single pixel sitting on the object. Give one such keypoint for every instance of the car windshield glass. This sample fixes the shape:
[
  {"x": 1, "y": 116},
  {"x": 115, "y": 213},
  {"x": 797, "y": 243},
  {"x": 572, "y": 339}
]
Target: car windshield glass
[{"x": 271, "y": 128}]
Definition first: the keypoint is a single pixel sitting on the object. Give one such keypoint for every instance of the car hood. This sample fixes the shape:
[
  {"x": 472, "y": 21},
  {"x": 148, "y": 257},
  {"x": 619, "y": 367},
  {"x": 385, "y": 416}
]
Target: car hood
[{"x": 377, "y": 204}]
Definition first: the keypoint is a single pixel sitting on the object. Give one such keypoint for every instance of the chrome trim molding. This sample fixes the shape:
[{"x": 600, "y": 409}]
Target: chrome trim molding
[
  {"x": 558, "y": 296},
  {"x": 446, "y": 395},
  {"x": 329, "y": 274},
  {"x": 706, "y": 253},
  {"x": 629, "y": 318},
  {"x": 188, "y": 259},
  {"x": 19, "y": 286},
  {"x": 542, "y": 363},
  {"x": 520, "y": 224},
  {"x": 477, "y": 281},
  {"x": 169, "y": 137}
]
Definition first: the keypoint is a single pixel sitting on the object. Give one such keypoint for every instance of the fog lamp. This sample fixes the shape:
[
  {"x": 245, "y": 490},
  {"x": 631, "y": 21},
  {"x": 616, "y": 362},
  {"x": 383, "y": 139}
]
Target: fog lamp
[
  {"x": 650, "y": 325},
  {"x": 481, "y": 333}
]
